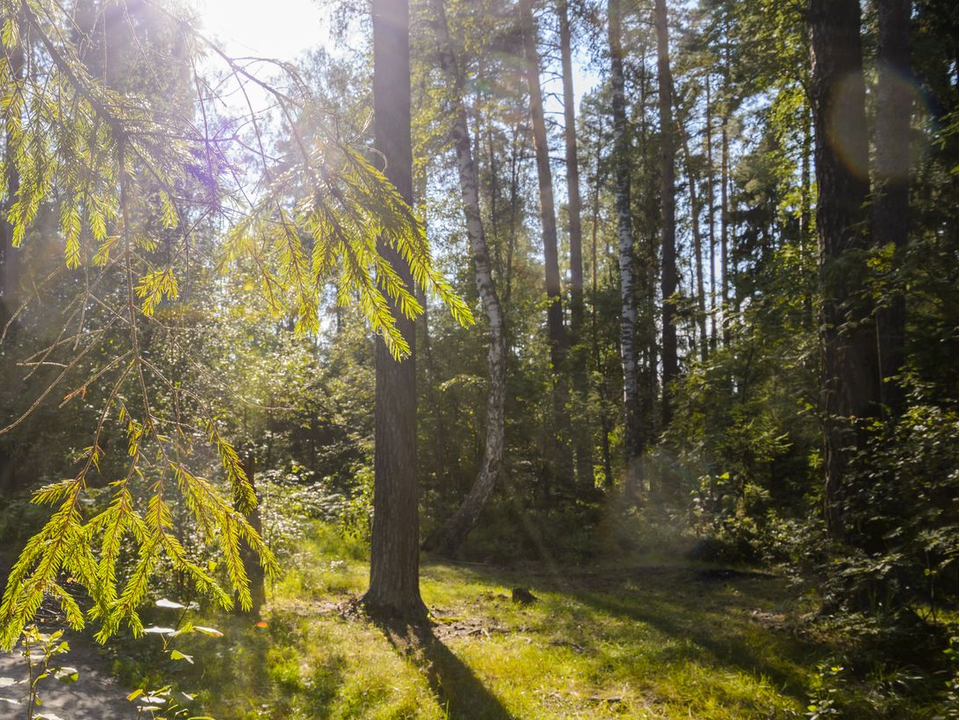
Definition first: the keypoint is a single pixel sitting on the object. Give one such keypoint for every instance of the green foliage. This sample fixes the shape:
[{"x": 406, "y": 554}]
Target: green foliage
[{"x": 122, "y": 170}]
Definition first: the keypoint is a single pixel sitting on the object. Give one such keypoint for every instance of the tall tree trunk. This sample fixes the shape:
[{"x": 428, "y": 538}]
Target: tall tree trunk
[
  {"x": 891, "y": 220},
  {"x": 668, "y": 219},
  {"x": 711, "y": 224},
  {"x": 556, "y": 333},
  {"x": 583, "y": 441},
  {"x": 849, "y": 386},
  {"x": 633, "y": 440},
  {"x": 395, "y": 547},
  {"x": 595, "y": 334},
  {"x": 724, "y": 219},
  {"x": 697, "y": 244},
  {"x": 806, "y": 216},
  {"x": 448, "y": 538}
]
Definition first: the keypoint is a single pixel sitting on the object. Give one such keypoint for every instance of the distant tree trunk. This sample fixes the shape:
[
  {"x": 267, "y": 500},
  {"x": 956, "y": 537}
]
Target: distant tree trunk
[
  {"x": 849, "y": 386},
  {"x": 451, "y": 534},
  {"x": 724, "y": 223},
  {"x": 697, "y": 244},
  {"x": 251, "y": 562},
  {"x": 633, "y": 440},
  {"x": 595, "y": 339},
  {"x": 711, "y": 224},
  {"x": 891, "y": 220},
  {"x": 556, "y": 333},
  {"x": 583, "y": 441},
  {"x": 668, "y": 212},
  {"x": 395, "y": 547},
  {"x": 806, "y": 216}
]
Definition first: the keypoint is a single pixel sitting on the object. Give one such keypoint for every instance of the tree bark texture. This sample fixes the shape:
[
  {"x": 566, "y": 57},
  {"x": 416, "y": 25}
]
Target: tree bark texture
[
  {"x": 891, "y": 219},
  {"x": 849, "y": 384},
  {"x": 633, "y": 439},
  {"x": 668, "y": 210},
  {"x": 452, "y": 533},
  {"x": 395, "y": 547}
]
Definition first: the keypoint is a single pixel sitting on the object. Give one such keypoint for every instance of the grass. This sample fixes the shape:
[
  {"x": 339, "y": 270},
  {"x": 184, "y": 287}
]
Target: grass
[{"x": 637, "y": 641}]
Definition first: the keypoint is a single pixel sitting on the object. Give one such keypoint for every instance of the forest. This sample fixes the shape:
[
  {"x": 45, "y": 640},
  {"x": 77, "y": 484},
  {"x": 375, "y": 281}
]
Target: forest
[{"x": 479, "y": 359}]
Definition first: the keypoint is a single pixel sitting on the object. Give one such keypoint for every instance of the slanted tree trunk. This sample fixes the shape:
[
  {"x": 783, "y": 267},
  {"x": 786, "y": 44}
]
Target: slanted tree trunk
[
  {"x": 583, "y": 441},
  {"x": 556, "y": 332},
  {"x": 891, "y": 220},
  {"x": 451, "y": 534},
  {"x": 849, "y": 385},
  {"x": 668, "y": 211},
  {"x": 394, "y": 590},
  {"x": 633, "y": 440}
]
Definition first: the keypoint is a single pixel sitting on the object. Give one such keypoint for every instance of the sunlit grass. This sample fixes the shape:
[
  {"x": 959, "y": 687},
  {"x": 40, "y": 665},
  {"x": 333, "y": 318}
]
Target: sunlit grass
[{"x": 634, "y": 642}]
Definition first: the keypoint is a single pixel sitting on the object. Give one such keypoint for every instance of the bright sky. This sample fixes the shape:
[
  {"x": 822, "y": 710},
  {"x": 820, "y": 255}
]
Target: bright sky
[{"x": 280, "y": 29}]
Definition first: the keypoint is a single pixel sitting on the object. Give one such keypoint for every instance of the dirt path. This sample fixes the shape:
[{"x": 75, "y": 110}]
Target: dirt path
[{"x": 94, "y": 696}]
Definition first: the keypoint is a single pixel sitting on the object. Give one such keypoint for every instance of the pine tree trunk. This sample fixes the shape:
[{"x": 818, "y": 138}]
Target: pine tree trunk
[
  {"x": 633, "y": 440},
  {"x": 849, "y": 385},
  {"x": 583, "y": 440},
  {"x": 891, "y": 220},
  {"x": 668, "y": 203},
  {"x": 556, "y": 333},
  {"x": 697, "y": 245},
  {"x": 449, "y": 537},
  {"x": 724, "y": 226},
  {"x": 394, "y": 590}
]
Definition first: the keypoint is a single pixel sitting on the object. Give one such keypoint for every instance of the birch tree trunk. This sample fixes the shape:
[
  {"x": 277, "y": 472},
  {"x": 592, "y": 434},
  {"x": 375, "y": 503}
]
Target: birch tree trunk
[
  {"x": 451, "y": 534},
  {"x": 633, "y": 440},
  {"x": 711, "y": 221},
  {"x": 668, "y": 213},
  {"x": 394, "y": 590}
]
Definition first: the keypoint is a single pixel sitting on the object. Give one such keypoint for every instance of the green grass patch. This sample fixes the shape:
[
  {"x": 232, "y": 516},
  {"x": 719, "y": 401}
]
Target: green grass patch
[{"x": 639, "y": 641}]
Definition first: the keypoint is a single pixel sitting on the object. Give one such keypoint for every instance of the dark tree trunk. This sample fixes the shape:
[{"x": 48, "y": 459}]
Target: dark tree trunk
[
  {"x": 849, "y": 385},
  {"x": 583, "y": 440},
  {"x": 668, "y": 212},
  {"x": 556, "y": 333},
  {"x": 251, "y": 562},
  {"x": 633, "y": 441},
  {"x": 451, "y": 534},
  {"x": 891, "y": 221},
  {"x": 395, "y": 547}
]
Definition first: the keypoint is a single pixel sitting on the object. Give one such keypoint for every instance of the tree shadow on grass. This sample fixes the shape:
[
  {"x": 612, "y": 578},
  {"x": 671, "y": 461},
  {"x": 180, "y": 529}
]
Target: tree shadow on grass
[
  {"x": 722, "y": 637},
  {"x": 457, "y": 689}
]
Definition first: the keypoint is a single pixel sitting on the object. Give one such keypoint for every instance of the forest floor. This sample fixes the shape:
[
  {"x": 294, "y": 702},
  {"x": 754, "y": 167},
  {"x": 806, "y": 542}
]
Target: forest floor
[
  {"x": 650, "y": 639},
  {"x": 653, "y": 638}
]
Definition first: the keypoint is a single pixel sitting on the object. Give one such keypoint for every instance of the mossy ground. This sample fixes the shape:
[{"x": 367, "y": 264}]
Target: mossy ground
[{"x": 634, "y": 641}]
